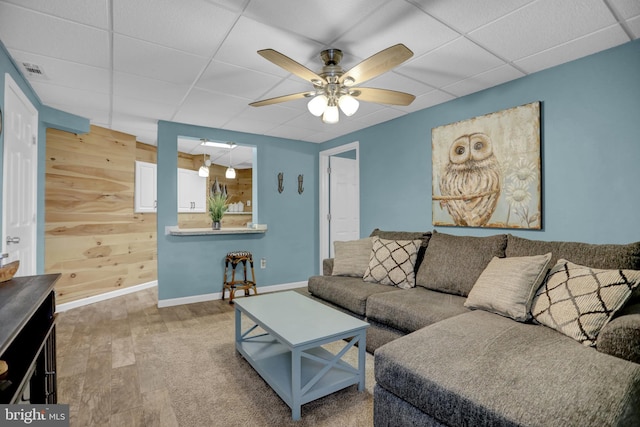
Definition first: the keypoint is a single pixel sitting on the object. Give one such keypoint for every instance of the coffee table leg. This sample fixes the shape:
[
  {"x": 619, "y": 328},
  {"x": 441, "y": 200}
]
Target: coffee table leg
[
  {"x": 238, "y": 326},
  {"x": 362, "y": 354},
  {"x": 295, "y": 385}
]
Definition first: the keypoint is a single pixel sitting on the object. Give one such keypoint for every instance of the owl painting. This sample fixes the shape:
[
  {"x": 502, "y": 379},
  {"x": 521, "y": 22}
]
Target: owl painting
[{"x": 470, "y": 181}]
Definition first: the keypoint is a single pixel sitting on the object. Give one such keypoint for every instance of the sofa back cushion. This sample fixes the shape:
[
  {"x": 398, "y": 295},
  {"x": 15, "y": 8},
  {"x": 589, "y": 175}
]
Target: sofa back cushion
[
  {"x": 452, "y": 264},
  {"x": 406, "y": 235},
  {"x": 603, "y": 256}
]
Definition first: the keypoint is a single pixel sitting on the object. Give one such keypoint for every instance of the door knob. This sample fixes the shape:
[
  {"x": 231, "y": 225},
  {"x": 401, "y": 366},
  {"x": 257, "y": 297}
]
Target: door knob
[{"x": 12, "y": 240}]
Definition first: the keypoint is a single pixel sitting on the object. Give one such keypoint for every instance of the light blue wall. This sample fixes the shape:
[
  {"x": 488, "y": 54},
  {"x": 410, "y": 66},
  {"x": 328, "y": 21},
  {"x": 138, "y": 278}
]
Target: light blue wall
[
  {"x": 590, "y": 152},
  {"x": 47, "y": 118},
  {"x": 193, "y": 265}
]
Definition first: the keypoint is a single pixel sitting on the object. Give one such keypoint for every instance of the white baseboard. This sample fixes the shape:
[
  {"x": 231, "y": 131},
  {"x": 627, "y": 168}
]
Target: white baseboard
[
  {"x": 218, "y": 295},
  {"x": 103, "y": 297}
]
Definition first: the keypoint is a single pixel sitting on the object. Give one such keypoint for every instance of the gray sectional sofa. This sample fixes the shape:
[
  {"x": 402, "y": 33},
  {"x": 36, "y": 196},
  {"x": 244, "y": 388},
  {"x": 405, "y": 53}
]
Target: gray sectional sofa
[{"x": 445, "y": 354}]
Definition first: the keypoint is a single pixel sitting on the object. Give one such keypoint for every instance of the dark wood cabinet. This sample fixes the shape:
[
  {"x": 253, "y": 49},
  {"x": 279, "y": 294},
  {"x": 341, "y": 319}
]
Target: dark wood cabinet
[{"x": 28, "y": 339}]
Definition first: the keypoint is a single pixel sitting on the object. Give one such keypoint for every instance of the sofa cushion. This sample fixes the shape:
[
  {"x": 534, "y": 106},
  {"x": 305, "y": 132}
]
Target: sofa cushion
[
  {"x": 578, "y": 301},
  {"x": 507, "y": 286},
  {"x": 482, "y": 369},
  {"x": 350, "y": 293},
  {"x": 351, "y": 257},
  {"x": 452, "y": 264},
  {"x": 407, "y": 235},
  {"x": 621, "y": 336},
  {"x": 606, "y": 256},
  {"x": 412, "y": 309},
  {"x": 392, "y": 262}
]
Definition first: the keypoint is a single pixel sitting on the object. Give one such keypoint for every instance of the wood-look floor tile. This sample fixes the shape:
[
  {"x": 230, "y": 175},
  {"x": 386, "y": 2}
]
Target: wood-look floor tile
[
  {"x": 133, "y": 417},
  {"x": 125, "y": 390},
  {"x": 122, "y": 353},
  {"x": 157, "y": 409}
]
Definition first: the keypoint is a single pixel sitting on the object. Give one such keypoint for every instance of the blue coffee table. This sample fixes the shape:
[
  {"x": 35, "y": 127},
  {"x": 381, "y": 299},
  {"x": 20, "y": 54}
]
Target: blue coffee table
[{"x": 283, "y": 344}]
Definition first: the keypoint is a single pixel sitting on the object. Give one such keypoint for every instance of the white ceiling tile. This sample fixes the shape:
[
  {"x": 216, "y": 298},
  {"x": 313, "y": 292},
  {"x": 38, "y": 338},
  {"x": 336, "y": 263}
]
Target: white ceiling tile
[
  {"x": 427, "y": 100},
  {"x": 594, "y": 42},
  {"x": 243, "y": 124},
  {"x": 484, "y": 80},
  {"x": 143, "y": 108},
  {"x": 316, "y": 20},
  {"x": 53, "y": 94},
  {"x": 291, "y": 132},
  {"x": 194, "y": 26},
  {"x": 275, "y": 113},
  {"x": 137, "y": 87},
  {"x": 248, "y": 36},
  {"x": 149, "y": 60},
  {"x": 380, "y": 116},
  {"x": 626, "y": 8},
  {"x": 65, "y": 73},
  {"x": 467, "y": 15},
  {"x": 634, "y": 25},
  {"x": 395, "y": 23},
  {"x": 238, "y": 81},
  {"x": 90, "y": 12},
  {"x": 208, "y": 109},
  {"x": 451, "y": 63},
  {"x": 36, "y": 33},
  {"x": 400, "y": 83},
  {"x": 542, "y": 25}
]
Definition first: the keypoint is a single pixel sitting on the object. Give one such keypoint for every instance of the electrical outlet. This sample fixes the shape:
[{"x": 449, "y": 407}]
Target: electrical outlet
[{"x": 263, "y": 263}]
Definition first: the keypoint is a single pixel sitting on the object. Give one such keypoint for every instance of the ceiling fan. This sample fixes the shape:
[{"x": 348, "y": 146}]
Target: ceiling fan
[{"x": 333, "y": 87}]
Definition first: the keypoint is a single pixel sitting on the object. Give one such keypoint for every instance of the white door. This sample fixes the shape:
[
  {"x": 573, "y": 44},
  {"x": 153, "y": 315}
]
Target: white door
[
  {"x": 19, "y": 190},
  {"x": 344, "y": 201}
]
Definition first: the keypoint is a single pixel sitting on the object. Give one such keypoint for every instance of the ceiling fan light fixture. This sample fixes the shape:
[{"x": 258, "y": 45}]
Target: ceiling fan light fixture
[
  {"x": 348, "y": 104},
  {"x": 331, "y": 114},
  {"x": 317, "y": 105}
]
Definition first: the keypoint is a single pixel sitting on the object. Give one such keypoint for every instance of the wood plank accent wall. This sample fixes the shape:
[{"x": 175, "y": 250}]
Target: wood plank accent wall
[{"x": 92, "y": 236}]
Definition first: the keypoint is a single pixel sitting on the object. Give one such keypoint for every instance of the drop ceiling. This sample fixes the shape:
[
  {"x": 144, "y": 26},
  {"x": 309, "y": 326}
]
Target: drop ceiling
[{"x": 127, "y": 64}]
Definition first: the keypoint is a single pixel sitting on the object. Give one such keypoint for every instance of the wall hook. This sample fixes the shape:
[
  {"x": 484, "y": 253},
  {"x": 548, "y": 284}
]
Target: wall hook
[
  {"x": 280, "y": 182},
  {"x": 300, "y": 187}
]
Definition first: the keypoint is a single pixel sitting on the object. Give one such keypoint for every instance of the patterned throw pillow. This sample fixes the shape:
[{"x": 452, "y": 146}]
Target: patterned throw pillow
[
  {"x": 578, "y": 301},
  {"x": 392, "y": 262}
]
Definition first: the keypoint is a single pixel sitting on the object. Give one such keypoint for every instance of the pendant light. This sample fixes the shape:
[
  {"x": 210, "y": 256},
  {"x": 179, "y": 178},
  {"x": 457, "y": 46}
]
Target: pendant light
[
  {"x": 204, "y": 169},
  {"x": 231, "y": 172}
]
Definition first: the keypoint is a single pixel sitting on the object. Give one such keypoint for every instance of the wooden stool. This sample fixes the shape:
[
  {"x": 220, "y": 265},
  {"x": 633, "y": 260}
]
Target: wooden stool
[{"x": 238, "y": 285}]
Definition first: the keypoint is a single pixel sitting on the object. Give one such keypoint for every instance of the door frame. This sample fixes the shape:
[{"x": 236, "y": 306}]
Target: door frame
[
  {"x": 323, "y": 162},
  {"x": 11, "y": 85}
]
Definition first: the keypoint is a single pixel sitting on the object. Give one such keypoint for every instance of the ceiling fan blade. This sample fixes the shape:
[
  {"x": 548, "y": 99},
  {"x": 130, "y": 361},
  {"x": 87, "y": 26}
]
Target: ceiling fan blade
[
  {"x": 383, "y": 96},
  {"x": 377, "y": 64},
  {"x": 291, "y": 66},
  {"x": 283, "y": 98}
]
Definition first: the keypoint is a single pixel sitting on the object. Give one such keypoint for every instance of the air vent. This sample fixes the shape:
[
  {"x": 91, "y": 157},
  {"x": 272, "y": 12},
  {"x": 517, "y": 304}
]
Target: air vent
[{"x": 34, "y": 70}]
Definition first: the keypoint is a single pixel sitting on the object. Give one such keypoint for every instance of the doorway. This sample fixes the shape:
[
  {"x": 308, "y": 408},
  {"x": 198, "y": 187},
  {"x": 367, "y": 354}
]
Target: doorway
[
  {"x": 339, "y": 197},
  {"x": 19, "y": 191}
]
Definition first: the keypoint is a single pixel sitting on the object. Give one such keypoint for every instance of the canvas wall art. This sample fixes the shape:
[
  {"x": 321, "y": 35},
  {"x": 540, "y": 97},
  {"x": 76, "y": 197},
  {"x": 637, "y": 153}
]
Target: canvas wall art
[{"x": 486, "y": 170}]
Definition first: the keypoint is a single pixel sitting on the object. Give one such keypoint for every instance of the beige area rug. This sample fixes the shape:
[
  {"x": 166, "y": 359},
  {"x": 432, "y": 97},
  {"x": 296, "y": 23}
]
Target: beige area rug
[{"x": 210, "y": 384}]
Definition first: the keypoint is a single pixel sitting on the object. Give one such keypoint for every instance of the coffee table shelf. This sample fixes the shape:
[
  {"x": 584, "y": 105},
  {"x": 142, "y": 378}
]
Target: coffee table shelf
[{"x": 292, "y": 362}]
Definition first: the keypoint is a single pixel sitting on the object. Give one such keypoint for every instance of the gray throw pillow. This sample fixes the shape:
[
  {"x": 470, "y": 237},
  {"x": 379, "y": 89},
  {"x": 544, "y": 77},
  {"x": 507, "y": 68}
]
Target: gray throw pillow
[
  {"x": 578, "y": 301},
  {"x": 507, "y": 286},
  {"x": 452, "y": 264},
  {"x": 351, "y": 257}
]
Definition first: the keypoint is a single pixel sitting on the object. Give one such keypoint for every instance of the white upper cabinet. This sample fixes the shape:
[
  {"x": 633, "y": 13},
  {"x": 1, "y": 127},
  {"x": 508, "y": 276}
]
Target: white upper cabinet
[
  {"x": 192, "y": 191},
  {"x": 145, "y": 196}
]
